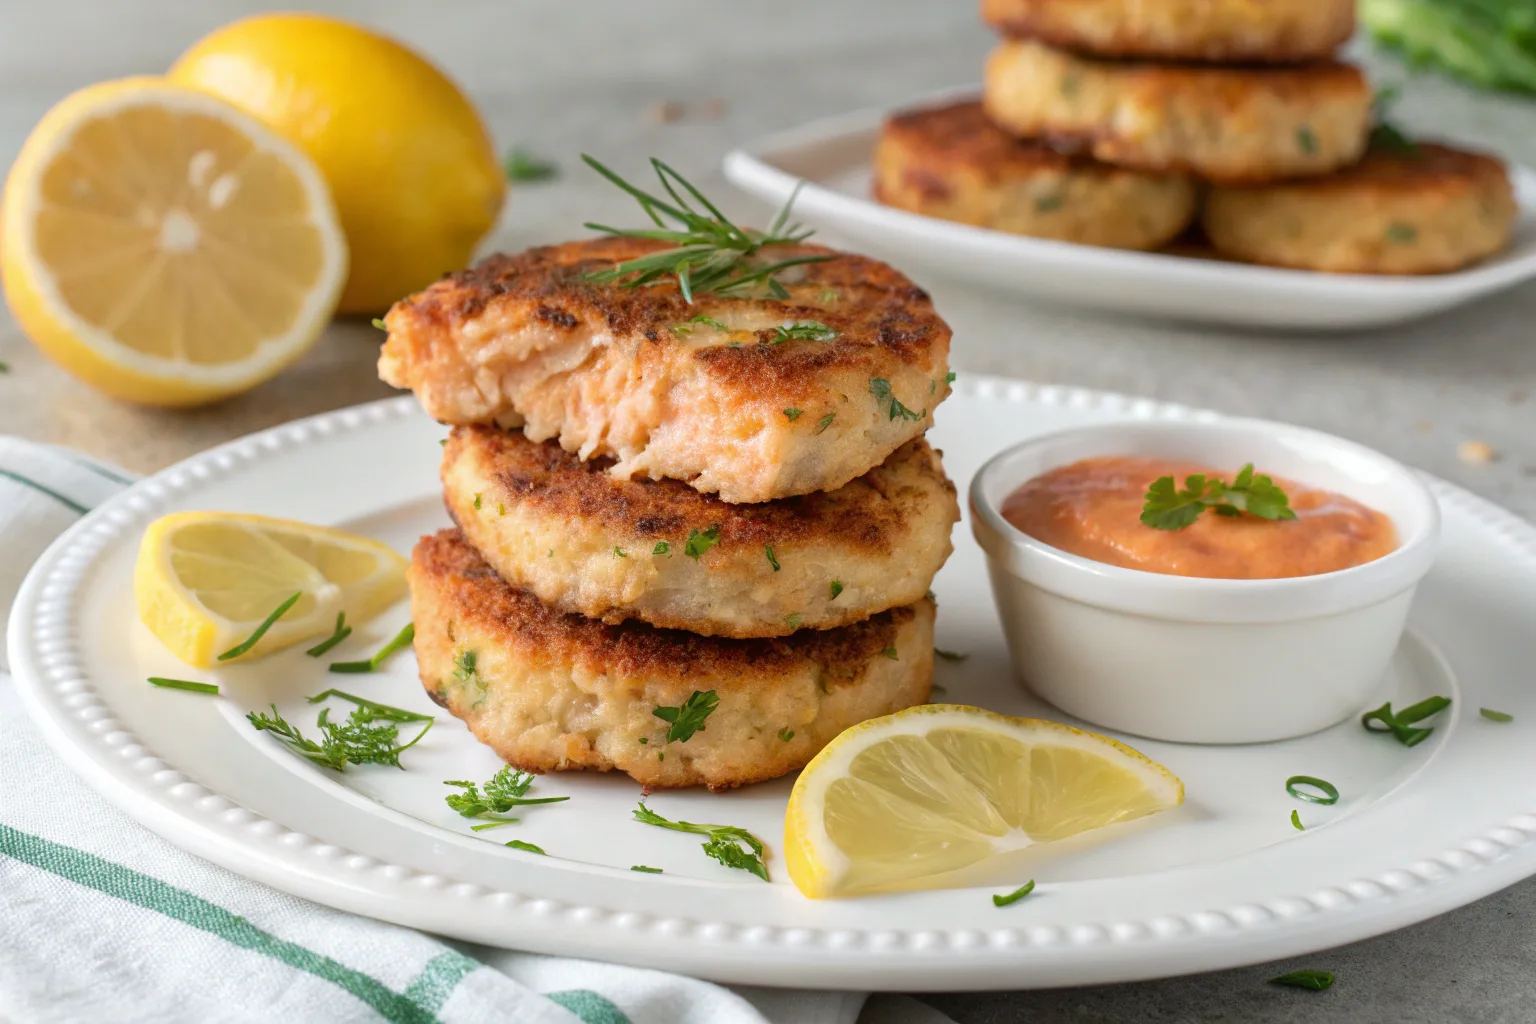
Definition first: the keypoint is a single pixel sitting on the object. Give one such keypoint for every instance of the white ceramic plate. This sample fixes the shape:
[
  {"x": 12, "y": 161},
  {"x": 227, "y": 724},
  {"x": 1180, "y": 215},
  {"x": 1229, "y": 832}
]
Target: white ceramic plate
[
  {"x": 1224, "y": 880},
  {"x": 832, "y": 158}
]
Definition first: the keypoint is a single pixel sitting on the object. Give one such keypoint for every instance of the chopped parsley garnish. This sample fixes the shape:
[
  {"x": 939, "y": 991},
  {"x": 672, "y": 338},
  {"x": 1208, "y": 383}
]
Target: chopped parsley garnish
[
  {"x": 1048, "y": 204},
  {"x": 1296, "y": 821},
  {"x": 370, "y": 735},
  {"x": 464, "y": 665},
  {"x": 645, "y": 868},
  {"x": 700, "y": 541},
  {"x": 1168, "y": 508},
  {"x": 708, "y": 253},
  {"x": 791, "y": 414},
  {"x": 890, "y": 652},
  {"x": 768, "y": 549},
  {"x": 183, "y": 684},
  {"x": 825, "y": 422},
  {"x": 835, "y": 588},
  {"x": 1317, "y": 981},
  {"x": 1014, "y": 897},
  {"x": 341, "y": 632},
  {"x": 1306, "y": 140},
  {"x": 793, "y": 620},
  {"x": 949, "y": 378},
  {"x": 522, "y": 166},
  {"x": 689, "y": 716},
  {"x": 477, "y": 502},
  {"x": 881, "y": 389},
  {"x": 734, "y": 847},
  {"x": 950, "y": 655},
  {"x": 518, "y": 844},
  {"x": 708, "y": 321},
  {"x": 1400, "y": 723},
  {"x": 261, "y": 630},
  {"x": 381, "y": 325},
  {"x": 505, "y": 790},
  {"x": 619, "y": 552},
  {"x": 1402, "y": 234},
  {"x": 786, "y": 734},
  {"x": 661, "y": 548},
  {"x": 1488, "y": 713},
  {"x": 402, "y": 640},
  {"x": 802, "y": 330}
]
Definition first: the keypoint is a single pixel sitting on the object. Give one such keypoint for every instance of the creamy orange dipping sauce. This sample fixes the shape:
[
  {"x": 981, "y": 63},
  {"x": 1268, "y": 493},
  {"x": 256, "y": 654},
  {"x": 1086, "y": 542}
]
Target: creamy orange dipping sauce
[{"x": 1093, "y": 508}]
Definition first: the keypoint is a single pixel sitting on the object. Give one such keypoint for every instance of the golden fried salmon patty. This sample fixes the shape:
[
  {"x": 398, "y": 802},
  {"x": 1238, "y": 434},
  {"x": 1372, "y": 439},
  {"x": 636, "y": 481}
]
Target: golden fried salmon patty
[
  {"x": 1217, "y": 31},
  {"x": 953, "y": 163},
  {"x": 694, "y": 392},
  {"x": 555, "y": 692},
  {"x": 1233, "y": 125},
  {"x": 660, "y": 551},
  {"x": 1426, "y": 210}
]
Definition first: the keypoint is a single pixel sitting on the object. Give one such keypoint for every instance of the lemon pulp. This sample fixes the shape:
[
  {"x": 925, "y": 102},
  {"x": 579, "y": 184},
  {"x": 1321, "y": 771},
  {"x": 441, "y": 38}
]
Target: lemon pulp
[{"x": 937, "y": 788}]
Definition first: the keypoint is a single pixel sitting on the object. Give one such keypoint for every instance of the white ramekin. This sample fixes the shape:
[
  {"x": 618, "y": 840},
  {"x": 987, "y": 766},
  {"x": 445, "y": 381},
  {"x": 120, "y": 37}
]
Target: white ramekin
[{"x": 1202, "y": 660}]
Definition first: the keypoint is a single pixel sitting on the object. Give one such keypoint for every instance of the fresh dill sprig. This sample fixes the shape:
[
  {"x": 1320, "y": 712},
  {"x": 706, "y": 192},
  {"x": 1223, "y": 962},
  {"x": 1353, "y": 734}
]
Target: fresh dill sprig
[
  {"x": 734, "y": 847},
  {"x": 802, "y": 330},
  {"x": 709, "y": 253},
  {"x": 505, "y": 790},
  {"x": 370, "y": 735}
]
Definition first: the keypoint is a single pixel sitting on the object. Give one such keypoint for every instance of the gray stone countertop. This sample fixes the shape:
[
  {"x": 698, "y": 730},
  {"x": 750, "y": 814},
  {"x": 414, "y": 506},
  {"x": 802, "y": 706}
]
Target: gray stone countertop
[{"x": 565, "y": 77}]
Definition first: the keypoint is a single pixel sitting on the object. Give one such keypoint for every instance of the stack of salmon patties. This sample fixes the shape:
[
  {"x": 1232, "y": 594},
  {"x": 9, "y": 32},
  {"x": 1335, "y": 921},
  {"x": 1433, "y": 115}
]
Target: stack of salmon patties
[
  {"x": 695, "y": 533},
  {"x": 1120, "y": 124}
]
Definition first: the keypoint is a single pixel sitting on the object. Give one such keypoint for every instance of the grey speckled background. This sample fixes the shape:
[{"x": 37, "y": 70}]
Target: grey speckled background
[{"x": 565, "y": 77}]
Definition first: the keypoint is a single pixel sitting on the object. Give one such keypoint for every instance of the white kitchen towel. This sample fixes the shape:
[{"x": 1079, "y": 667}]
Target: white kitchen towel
[{"x": 102, "y": 920}]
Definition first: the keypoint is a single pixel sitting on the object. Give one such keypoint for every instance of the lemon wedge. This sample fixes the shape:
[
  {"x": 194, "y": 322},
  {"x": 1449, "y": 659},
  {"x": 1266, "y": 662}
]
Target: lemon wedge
[
  {"x": 939, "y": 787},
  {"x": 205, "y": 580},
  {"x": 410, "y": 163},
  {"x": 165, "y": 247}
]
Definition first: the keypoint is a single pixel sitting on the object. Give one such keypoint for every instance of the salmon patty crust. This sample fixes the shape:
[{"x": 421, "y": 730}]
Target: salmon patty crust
[
  {"x": 1428, "y": 209},
  {"x": 670, "y": 389},
  {"x": 951, "y": 162},
  {"x": 1215, "y": 31},
  {"x": 550, "y": 691},
  {"x": 582, "y": 541},
  {"x": 1230, "y": 125}
]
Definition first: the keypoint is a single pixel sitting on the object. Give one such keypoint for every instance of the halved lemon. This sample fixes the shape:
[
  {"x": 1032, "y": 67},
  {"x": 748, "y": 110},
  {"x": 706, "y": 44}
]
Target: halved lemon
[
  {"x": 940, "y": 787},
  {"x": 166, "y": 247},
  {"x": 205, "y": 580}
]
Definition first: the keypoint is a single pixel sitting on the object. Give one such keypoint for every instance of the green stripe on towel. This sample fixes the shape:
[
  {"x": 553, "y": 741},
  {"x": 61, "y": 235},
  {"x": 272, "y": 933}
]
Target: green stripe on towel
[
  {"x": 39, "y": 488},
  {"x": 152, "y": 894},
  {"x": 589, "y": 1006},
  {"x": 439, "y": 978}
]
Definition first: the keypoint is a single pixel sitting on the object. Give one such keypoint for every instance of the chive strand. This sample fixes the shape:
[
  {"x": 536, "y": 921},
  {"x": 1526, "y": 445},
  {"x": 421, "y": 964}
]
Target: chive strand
[
  {"x": 341, "y": 632},
  {"x": 1495, "y": 716},
  {"x": 402, "y": 640},
  {"x": 1014, "y": 897},
  {"x": 261, "y": 630},
  {"x": 1329, "y": 792},
  {"x": 183, "y": 684}
]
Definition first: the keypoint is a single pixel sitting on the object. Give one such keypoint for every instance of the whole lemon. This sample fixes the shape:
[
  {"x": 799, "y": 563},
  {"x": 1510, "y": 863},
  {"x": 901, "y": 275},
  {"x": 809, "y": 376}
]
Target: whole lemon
[{"x": 410, "y": 165}]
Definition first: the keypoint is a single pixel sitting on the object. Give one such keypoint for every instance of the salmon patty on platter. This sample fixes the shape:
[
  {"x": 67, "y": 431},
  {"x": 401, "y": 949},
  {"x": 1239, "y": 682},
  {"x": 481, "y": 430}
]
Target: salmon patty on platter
[
  {"x": 1420, "y": 208},
  {"x": 584, "y": 542},
  {"x": 670, "y": 389},
  {"x": 550, "y": 691},
  {"x": 1224, "y": 124},
  {"x": 951, "y": 162},
  {"x": 1215, "y": 31}
]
